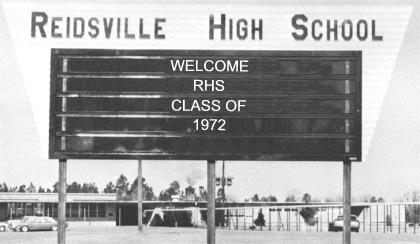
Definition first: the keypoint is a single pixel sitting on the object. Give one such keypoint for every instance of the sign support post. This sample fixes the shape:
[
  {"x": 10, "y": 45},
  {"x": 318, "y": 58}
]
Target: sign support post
[
  {"x": 62, "y": 175},
  {"x": 140, "y": 196},
  {"x": 211, "y": 214},
  {"x": 347, "y": 202}
]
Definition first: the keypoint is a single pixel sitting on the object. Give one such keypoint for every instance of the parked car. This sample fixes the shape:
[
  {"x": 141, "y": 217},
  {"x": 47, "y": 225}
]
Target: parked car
[
  {"x": 37, "y": 223},
  {"x": 3, "y": 226},
  {"x": 12, "y": 223},
  {"x": 339, "y": 223}
]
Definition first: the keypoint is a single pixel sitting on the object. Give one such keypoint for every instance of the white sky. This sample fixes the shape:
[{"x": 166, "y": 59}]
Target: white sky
[{"x": 390, "y": 168}]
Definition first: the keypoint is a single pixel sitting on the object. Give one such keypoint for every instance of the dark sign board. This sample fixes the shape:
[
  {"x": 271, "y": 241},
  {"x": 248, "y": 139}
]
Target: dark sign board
[{"x": 205, "y": 105}]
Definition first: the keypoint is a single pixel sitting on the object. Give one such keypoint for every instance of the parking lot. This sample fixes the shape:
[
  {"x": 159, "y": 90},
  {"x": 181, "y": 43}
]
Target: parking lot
[{"x": 107, "y": 233}]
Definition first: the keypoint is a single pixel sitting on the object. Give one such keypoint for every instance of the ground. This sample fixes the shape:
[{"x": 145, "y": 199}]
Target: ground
[{"x": 107, "y": 233}]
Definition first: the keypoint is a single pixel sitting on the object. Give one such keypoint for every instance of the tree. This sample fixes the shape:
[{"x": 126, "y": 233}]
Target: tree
[
  {"x": 271, "y": 198},
  {"x": 110, "y": 188},
  {"x": 292, "y": 195},
  {"x": 121, "y": 186},
  {"x": 306, "y": 198},
  {"x": 381, "y": 200},
  {"x": 92, "y": 188},
  {"x": 174, "y": 188},
  {"x": 255, "y": 198},
  {"x": 148, "y": 193},
  {"x": 373, "y": 199},
  {"x": 290, "y": 198},
  {"x": 31, "y": 188},
  {"x": 55, "y": 187},
  {"x": 308, "y": 214},
  {"x": 411, "y": 196},
  {"x": 164, "y": 196},
  {"x": 220, "y": 197},
  {"x": 13, "y": 189},
  {"x": 203, "y": 193},
  {"x": 260, "y": 221},
  {"x": 4, "y": 187},
  {"x": 85, "y": 188},
  {"x": 412, "y": 212},
  {"x": 41, "y": 190},
  {"x": 74, "y": 188},
  {"x": 22, "y": 188},
  {"x": 168, "y": 193},
  {"x": 48, "y": 190}
]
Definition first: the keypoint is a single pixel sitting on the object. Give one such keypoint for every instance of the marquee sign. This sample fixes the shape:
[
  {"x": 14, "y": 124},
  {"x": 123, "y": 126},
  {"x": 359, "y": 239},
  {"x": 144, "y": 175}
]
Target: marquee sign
[{"x": 203, "y": 105}]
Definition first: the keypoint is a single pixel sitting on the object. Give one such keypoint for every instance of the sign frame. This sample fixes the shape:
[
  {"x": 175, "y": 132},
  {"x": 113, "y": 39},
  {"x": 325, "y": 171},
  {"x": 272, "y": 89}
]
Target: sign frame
[{"x": 54, "y": 152}]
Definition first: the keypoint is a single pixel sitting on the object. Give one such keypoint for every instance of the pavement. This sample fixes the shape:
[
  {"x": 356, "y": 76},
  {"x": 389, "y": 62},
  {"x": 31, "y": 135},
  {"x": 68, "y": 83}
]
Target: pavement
[{"x": 107, "y": 233}]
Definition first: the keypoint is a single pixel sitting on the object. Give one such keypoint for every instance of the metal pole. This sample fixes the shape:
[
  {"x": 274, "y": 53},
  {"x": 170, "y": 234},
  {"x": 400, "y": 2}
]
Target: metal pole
[
  {"x": 399, "y": 219},
  {"x": 384, "y": 219},
  {"x": 244, "y": 218},
  {"x": 328, "y": 218},
  {"x": 347, "y": 202},
  {"x": 269, "y": 219},
  {"x": 252, "y": 221},
  {"x": 405, "y": 219},
  {"x": 377, "y": 218},
  {"x": 223, "y": 184},
  {"x": 298, "y": 214},
  {"x": 364, "y": 219},
  {"x": 62, "y": 175},
  {"x": 390, "y": 218},
  {"x": 140, "y": 196},
  {"x": 237, "y": 220},
  {"x": 317, "y": 225},
  {"x": 414, "y": 220},
  {"x": 119, "y": 214},
  {"x": 211, "y": 216},
  {"x": 320, "y": 215},
  {"x": 370, "y": 219},
  {"x": 229, "y": 218}
]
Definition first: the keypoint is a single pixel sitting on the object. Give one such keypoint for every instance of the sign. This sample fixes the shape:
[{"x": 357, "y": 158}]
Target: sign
[{"x": 205, "y": 105}]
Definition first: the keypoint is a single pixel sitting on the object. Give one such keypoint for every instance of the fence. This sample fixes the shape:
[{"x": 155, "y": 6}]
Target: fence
[{"x": 373, "y": 217}]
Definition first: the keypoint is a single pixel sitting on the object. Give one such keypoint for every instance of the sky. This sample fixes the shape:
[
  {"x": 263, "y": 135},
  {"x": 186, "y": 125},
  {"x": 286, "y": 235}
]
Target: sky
[{"x": 390, "y": 167}]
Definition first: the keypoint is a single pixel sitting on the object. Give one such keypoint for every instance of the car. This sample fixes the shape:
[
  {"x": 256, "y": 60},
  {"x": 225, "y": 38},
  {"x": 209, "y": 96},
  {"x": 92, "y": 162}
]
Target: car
[
  {"x": 339, "y": 223},
  {"x": 37, "y": 223},
  {"x": 12, "y": 223},
  {"x": 3, "y": 226}
]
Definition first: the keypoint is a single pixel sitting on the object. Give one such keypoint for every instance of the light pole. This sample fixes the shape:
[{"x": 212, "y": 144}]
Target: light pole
[{"x": 224, "y": 181}]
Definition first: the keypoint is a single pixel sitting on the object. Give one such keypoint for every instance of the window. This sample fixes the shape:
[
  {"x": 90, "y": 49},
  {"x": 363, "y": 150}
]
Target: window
[
  {"x": 84, "y": 210},
  {"x": 19, "y": 210},
  {"x": 29, "y": 209},
  {"x": 54, "y": 210},
  {"x": 101, "y": 210},
  {"x": 38, "y": 209},
  {"x": 11, "y": 210},
  {"x": 93, "y": 211},
  {"x": 74, "y": 210},
  {"x": 68, "y": 209},
  {"x": 47, "y": 209}
]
